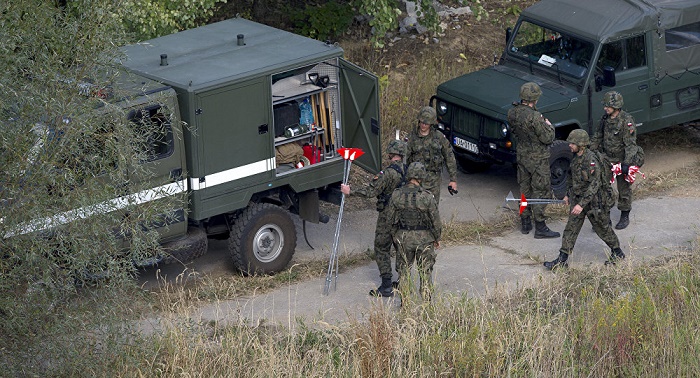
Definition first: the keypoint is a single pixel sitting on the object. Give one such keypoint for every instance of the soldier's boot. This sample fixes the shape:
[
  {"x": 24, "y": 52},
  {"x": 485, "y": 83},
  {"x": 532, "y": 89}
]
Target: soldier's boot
[
  {"x": 559, "y": 262},
  {"x": 385, "y": 290},
  {"x": 543, "y": 232},
  {"x": 615, "y": 256},
  {"x": 624, "y": 220},
  {"x": 526, "y": 225}
]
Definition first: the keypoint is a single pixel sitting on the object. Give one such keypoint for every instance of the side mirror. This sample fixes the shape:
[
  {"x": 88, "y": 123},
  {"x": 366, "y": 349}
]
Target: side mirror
[
  {"x": 607, "y": 80},
  {"x": 509, "y": 33},
  {"x": 609, "y": 76}
]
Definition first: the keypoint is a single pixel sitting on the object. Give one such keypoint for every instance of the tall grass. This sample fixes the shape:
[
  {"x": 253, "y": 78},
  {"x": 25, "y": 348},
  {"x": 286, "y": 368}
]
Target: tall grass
[{"x": 600, "y": 322}]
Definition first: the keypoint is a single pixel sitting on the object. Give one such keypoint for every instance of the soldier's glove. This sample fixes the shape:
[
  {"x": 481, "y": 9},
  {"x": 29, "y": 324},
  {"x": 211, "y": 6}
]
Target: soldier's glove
[
  {"x": 625, "y": 169},
  {"x": 451, "y": 190}
]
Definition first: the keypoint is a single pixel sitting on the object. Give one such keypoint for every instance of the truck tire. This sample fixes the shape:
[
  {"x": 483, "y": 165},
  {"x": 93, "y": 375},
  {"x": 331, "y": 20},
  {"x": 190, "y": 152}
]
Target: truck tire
[
  {"x": 187, "y": 249},
  {"x": 559, "y": 161},
  {"x": 467, "y": 165},
  {"x": 263, "y": 239}
]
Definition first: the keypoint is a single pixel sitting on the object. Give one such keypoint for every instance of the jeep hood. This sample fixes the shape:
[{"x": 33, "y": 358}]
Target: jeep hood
[{"x": 493, "y": 90}]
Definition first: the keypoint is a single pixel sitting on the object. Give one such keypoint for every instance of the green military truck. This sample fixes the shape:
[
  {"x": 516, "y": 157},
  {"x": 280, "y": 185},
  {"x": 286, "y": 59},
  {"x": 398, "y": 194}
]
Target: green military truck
[
  {"x": 576, "y": 51},
  {"x": 226, "y": 97}
]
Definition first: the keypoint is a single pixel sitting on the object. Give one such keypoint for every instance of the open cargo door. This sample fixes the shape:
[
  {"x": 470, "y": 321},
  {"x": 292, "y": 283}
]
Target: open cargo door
[{"x": 359, "y": 94}]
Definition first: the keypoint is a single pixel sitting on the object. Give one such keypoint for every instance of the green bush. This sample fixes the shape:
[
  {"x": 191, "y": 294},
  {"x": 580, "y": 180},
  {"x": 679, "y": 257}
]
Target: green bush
[
  {"x": 322, "y": 22},
  {"x": 146, "y": 19}
]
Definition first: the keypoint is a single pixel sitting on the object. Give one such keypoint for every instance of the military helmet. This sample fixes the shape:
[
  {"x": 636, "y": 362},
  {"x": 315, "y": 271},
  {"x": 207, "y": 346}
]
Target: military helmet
[
  {"x": 396, "y": 147},
  {"x": 416, "y": 171},
  {"x": 530, "y": 92},
  {"x": 613, "y": 99},
  {"x": 579, "y": 137},
  {"x": 427, "y": 115}
]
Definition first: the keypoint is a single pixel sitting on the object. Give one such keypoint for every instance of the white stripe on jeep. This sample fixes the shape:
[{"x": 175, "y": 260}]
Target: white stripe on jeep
[
  {"x": 103, "y": 207},
  {"x": 197, "y": 183}
]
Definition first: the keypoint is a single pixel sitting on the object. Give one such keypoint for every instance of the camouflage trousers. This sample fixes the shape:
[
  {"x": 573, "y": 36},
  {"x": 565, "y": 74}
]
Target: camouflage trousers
[
  {"x": 624, "y": 197},
  {"x": 599, "y": 218},
  {"x": 382, "y": 245},
  {"x": 534, "y": 181},
  {"x": 431, "y": 183},
  {"x": 416, "y": 246}
]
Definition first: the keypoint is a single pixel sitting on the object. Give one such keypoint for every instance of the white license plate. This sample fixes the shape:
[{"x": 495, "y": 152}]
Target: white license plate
[{"x": 467, "y": 145}]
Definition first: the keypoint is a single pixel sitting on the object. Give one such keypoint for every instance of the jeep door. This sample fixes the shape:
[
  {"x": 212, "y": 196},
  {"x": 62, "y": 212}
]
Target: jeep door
[{"x": 629, "y": 57}]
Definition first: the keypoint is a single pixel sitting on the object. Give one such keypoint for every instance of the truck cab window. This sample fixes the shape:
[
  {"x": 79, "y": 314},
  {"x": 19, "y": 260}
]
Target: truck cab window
[
  {"x": 153, "y": 123},
  {"x": 624, "y": 54},
  {"x": 556, "y": 51}
]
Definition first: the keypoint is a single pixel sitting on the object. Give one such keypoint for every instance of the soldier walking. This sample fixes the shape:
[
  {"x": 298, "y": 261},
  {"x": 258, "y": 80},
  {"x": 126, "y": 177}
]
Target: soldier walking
[
  {"x": 616, "y": 139},
  {"x": 589, "y": 195},
  {"x": 429, "y": 146},
  {"x": 381, "y": 187},
  {"x": 534, "y": 134},
  {"x": 416, "y": 227}
]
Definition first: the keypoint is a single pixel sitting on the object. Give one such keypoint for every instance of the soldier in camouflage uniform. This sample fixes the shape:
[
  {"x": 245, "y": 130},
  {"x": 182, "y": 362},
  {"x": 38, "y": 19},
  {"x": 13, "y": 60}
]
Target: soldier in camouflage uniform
[
  {"x": 534, "y": 134},
  {"x": 429, "y": 146},
  {"x": 416, "y": 228},
  {"x": 589, "y": 195},
  {"x": 616, "y": 139},
  {"x": 381, "y": 187}
]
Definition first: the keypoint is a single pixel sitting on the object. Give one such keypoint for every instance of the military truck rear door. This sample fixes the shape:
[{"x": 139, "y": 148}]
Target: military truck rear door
[{"x": 359, "y": 96}]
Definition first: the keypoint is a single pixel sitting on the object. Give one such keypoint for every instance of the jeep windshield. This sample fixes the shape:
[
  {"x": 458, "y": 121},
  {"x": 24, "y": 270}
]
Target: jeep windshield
[{"x": 557, "y": 53}]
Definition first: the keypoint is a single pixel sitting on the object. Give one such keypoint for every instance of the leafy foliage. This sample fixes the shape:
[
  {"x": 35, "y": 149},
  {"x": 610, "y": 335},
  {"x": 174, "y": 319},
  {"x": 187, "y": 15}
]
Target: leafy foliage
[
  {"x": 427, "y": 15},
  {"x": 322, "y": 22},
  {"x": 148, "y": 19},
  {"x": 66, "y": 150},
  {"x": 384, "y": 16}
]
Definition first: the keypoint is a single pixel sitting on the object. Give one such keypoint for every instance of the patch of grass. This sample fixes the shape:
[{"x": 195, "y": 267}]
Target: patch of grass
[
  {"x": 657, "y": 184},
  {"x": 626, "y": 321},
  {"x": 476, "y": 232},
  {"x": 207, "y": 289}
]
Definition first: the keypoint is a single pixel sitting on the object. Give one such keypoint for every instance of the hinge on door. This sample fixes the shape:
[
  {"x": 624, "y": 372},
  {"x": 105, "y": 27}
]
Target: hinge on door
[{"x": 198, "y": 112}]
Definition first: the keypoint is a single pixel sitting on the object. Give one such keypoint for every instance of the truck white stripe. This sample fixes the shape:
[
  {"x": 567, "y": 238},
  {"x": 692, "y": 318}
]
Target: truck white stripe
[
  {"x": 102, "y": 207},
  {"x": 208, "y": 181}
]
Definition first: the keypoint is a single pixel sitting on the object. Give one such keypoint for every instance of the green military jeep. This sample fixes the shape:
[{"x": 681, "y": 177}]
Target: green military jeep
[{"x": 577, "y": 51}]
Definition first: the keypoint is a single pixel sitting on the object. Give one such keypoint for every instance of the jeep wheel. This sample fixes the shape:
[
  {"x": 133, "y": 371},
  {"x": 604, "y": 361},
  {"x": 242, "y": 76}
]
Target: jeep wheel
[
  {"x": 467, "y": 165},
  {"x": 559, "y": 161},
  {"x": 262, "y": 240},
  {"x": 187, "y": 249}
]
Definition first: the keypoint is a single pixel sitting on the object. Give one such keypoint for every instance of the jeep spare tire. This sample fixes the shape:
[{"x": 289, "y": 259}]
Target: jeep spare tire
[{"x": 263, "y": 239}]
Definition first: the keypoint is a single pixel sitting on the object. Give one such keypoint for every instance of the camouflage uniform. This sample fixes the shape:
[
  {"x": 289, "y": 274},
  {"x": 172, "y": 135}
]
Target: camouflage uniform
[
  {"x": 381, "y": 187},
  {"x": 434, "y": 151},
  {"x": 534, "y": 137},
  {"x": 616, "y": 138},
  {"x": 589, "y": 189},
  {"x": 416, "y": 226}
]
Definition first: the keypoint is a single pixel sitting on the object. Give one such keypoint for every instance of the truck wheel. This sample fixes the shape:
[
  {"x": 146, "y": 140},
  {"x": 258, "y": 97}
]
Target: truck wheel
[
  {"x": 470, "y": 166},
  {"x": 559, "y": 160},
  {"x": 263, "y": 239},
  {"x": 187, "y": 249}
]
